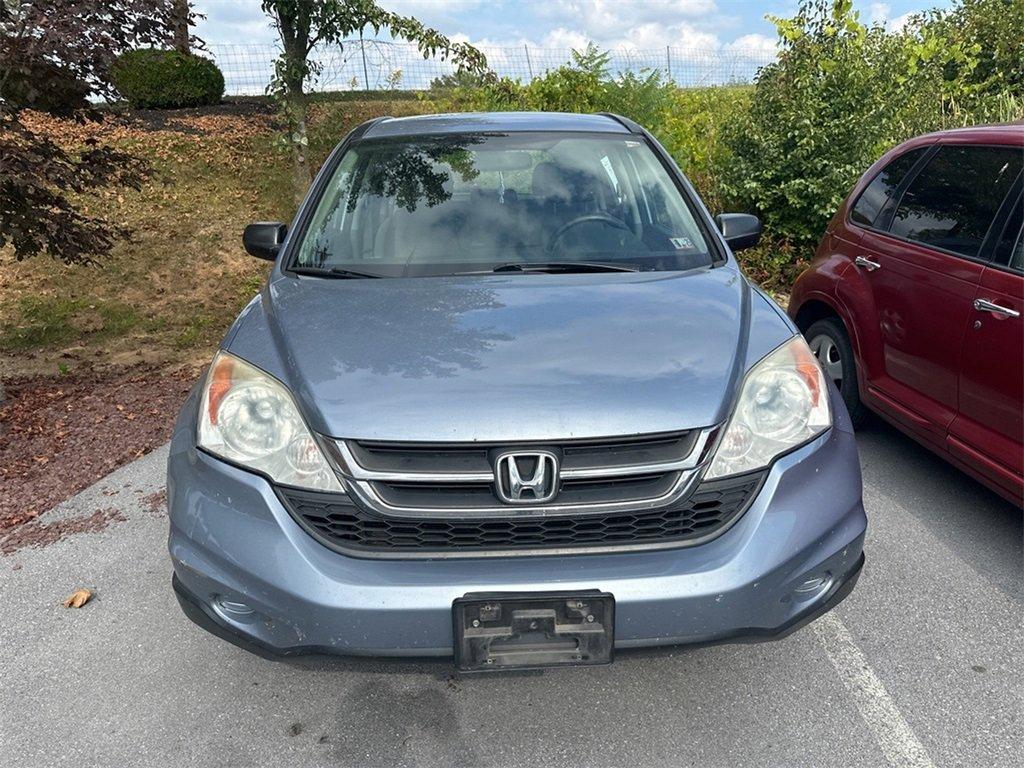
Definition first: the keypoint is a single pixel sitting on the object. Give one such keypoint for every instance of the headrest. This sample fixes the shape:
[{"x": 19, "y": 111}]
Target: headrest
[{"x": 552, "y": 182}]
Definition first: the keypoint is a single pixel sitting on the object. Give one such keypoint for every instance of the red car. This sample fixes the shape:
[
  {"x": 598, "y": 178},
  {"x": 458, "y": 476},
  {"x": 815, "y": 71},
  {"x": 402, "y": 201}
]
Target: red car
[{"x": 913, "y": 302}]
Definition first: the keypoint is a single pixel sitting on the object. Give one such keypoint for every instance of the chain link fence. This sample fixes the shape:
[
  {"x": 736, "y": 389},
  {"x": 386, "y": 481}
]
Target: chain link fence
[{"x": 374, "y": 65}]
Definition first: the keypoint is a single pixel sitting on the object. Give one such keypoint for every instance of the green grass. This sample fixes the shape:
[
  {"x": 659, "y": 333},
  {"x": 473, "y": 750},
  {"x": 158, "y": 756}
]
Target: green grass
[
  {"x": 193, "y": 333},
  {"x": 46, "y": 321}
]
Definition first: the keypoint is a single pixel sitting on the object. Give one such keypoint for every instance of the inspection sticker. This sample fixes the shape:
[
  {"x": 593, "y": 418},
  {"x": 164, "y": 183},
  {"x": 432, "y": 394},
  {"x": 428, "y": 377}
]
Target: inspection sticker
[{"x": 681, "y": 243}]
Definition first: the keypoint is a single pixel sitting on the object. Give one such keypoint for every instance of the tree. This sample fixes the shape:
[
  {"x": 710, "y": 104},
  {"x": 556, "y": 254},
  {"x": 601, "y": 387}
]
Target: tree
[
  {"x": 989, "y": 37},
  {"x": 838, "y": 95},
  {"x": 44, "y": 46},
  {"x": 181, "y": 20},
  {"x": 303, "y": 24}
]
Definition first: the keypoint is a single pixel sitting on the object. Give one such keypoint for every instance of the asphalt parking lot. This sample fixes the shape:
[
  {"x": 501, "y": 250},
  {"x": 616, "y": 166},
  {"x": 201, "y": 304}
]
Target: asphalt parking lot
[{"x": 922, "y": 665}]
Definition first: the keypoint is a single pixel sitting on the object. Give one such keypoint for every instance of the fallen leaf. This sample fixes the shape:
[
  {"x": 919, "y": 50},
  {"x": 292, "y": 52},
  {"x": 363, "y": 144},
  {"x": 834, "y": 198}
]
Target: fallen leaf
[{"x": 80, "y": 598}]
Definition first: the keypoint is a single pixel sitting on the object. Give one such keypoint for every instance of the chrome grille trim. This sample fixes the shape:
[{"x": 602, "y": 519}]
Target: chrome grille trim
[
  {"x": 350, "y": 469},
  {"x": 359, "y": 481}
]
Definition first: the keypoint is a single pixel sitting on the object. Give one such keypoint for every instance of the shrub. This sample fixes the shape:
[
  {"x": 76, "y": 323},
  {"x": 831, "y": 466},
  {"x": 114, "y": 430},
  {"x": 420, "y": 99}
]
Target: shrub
[
  {"x": 973, "y": 55},
  {"x": 156, "y": 79},
  {"x": 583, "y": 85},
  {"x": 689, "y": 122},
  {"x": 47, "y": 87},
  {"x": 990, "y": 37},
  {"x": 693, "y": 129},
  {"x": 790, "y": 147},
  {"x": 819, "y": 116},
  {"x": 458, "y": 79},
  {"x": 841, "y": 93}
]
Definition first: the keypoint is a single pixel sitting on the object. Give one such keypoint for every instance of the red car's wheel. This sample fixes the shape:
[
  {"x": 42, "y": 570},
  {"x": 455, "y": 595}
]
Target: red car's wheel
[{"x": 831, "y": 345}]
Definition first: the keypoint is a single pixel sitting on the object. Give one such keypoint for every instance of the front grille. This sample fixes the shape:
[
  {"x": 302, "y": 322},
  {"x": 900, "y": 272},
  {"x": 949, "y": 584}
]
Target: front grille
[
  {"x": 431, "y": 458},
  {"x": 340, "y": 524},
  {"x": 429, "y": 480}
]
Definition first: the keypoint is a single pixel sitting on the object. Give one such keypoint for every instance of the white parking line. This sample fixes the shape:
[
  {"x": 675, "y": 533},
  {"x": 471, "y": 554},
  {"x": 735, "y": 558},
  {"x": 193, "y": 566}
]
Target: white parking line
[{"x": 879, "y": 711}]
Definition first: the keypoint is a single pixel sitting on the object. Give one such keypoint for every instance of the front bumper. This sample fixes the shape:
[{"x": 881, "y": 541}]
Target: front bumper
[{"x": 232, "y": 542}]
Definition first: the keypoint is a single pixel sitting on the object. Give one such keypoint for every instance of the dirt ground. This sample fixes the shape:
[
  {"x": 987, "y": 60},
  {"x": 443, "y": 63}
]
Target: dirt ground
[{"x": 60, "y": 434}]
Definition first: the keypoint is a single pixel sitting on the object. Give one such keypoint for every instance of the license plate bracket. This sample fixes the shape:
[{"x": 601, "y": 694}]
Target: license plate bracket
[{"x": 502, "y": 631}]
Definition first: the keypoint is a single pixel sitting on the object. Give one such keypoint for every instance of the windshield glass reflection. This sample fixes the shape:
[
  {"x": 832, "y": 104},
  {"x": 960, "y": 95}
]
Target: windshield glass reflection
[{"x": 450, "y": 204}]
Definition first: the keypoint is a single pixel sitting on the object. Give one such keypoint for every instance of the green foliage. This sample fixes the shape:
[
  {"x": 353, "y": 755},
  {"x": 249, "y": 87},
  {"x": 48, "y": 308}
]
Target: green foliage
[
  {"x": 304, "y": 24},
  {"x": 689, "y": 122},
  {"x": 693, "y": 130},
  {"x": 155, "y": 79},
  {"x": 576, "y": 87},
  {"x": 459, "y": 79},
  {"x": 46, "y": 321},
  {"x": 988, "y": 39},
  {"x": 842, "y": 92},
  {"x": 583, "y": 85},
  {"x": 47, "y": 87},
  {"x": 819, "y": 116}
]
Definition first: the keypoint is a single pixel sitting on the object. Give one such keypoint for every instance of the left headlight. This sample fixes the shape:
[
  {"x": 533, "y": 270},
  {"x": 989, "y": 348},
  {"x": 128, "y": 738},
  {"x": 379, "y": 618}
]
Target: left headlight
[
  {"x": 782, "y": 405},
  {"x": 248, "y": 417}
]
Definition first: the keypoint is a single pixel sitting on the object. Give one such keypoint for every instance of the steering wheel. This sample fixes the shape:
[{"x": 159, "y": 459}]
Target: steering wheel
[{"x": 599, "y": 218}]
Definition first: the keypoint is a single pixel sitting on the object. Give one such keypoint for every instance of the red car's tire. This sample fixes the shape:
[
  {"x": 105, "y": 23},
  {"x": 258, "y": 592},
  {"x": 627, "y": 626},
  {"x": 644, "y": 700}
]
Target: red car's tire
[{"x": 831, "y": 345}]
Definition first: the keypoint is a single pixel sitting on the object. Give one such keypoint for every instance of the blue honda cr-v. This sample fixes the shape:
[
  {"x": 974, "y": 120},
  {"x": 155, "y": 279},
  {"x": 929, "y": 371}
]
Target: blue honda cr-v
[{"x": 507, "y": 396}]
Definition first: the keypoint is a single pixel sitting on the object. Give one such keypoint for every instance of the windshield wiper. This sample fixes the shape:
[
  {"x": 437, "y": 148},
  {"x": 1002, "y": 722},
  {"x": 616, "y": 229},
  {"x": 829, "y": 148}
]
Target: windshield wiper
[
  {"x": 559, "y": 267},
  {"x": 335, "y": 272}
]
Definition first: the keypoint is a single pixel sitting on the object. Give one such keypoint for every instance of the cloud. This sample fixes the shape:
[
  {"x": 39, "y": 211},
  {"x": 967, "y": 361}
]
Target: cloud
[
  {"x": 238, "y": 22},
  {"x": 757, "y": 45},
  {"x": 601, "y": 19},
  {"x": 563, "y": 24},
  {"x": 636, "y": 31},
  {"x": 879, "y": 12},
  {"x": 652, "y": 24},
  {"x": 897, "y": 24},
  {"x": 420, "y": 8}
]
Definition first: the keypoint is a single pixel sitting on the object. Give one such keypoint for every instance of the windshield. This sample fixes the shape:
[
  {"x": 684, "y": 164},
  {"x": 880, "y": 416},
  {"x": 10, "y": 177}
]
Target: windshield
[{"x": 461, "y": 203}]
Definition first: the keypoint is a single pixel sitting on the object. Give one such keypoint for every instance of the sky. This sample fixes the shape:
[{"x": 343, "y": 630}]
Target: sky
[{"x": 562, "y": 24}]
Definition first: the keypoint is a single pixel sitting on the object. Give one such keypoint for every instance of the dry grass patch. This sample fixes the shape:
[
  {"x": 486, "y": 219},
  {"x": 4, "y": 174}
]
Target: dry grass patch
[{"x": 167, "y": 295}]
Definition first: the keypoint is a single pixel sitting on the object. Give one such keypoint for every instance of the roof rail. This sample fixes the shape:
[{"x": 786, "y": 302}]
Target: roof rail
[{"x": 625, "y": 122}]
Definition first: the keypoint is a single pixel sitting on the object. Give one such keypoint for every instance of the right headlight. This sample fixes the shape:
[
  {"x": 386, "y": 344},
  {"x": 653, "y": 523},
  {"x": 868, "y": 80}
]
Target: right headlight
[
  {"x": 783, "y": 404},
  {"x": 248, "y": 417}
]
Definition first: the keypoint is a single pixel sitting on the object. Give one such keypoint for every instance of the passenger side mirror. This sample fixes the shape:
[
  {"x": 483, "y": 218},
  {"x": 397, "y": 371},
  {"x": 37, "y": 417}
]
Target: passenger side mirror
[
  {"x": 740, "y": 230},
  {"x": 263, "y": 239}
]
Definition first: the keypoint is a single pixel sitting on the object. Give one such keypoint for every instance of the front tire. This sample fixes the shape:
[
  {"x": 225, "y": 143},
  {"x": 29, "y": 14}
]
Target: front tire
[{"x": 830, "y": 343}]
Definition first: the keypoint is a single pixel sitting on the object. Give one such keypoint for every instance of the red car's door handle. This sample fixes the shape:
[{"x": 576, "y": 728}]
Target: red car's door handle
[
  {"x": 865, "y": 263},
  {"x": 984, "y": 305}
]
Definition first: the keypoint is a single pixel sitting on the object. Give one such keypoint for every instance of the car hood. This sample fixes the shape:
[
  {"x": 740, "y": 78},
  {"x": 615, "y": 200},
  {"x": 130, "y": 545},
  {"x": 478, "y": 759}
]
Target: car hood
[{"x": 508, "y": 357}]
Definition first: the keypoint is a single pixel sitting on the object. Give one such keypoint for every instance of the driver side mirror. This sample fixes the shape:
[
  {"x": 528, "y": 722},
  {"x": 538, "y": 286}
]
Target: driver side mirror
[
  {"x": 263, "y": 239},
  {"x": 740, "y": 230}
]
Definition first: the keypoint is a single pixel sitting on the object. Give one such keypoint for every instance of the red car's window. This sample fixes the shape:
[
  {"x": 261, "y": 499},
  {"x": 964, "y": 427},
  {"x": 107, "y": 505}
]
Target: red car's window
[
  {"x": 950, "y": 204},
  {"x": 882, "y": 187}
]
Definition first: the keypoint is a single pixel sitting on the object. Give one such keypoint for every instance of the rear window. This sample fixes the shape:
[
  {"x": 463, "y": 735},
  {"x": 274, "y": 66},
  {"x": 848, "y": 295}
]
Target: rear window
[
  {"x": 456, "y": 203},
  {"x": 953, "y": 200},
  {"x": 874, "y": 197}
]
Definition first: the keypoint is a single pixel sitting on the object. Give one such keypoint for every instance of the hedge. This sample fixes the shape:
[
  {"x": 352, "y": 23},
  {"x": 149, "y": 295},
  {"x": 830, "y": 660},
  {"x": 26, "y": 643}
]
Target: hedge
[{"x": 155, "y": 79}]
